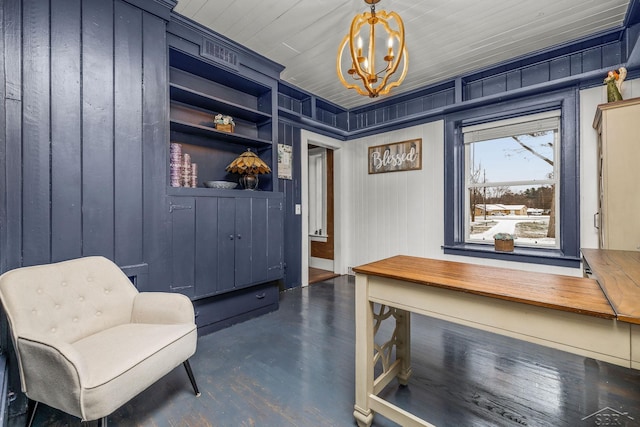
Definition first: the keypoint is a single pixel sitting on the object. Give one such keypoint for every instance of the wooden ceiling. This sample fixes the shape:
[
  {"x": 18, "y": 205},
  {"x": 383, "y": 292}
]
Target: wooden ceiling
[{"x": 445, "y": 39}]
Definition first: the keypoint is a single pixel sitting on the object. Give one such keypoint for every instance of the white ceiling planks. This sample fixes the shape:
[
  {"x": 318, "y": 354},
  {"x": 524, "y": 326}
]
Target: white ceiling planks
[{"x": 445, "y": 39}]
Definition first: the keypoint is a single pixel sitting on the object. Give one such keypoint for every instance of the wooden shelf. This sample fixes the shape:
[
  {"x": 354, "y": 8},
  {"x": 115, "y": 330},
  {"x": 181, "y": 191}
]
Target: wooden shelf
[
  {"x": 218, "y": 192},
  {"x": 187, "y": 96},
  {"x": 235, "y": 138},
  {"x": 290, "y": 113}
]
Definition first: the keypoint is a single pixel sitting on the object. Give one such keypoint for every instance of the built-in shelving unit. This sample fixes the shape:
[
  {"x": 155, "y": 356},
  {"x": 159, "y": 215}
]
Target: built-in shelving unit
[
  {"x": 210, "y": 132},
  {"x": 298, "y": 105},
  {"x": 332, "y": 115},
  {"x": 226, "y": 244},
  {"x": 199, "y": 91},
  {"x": 294, "y": 102},
  {"x": 188, "y": 96},
  {"x": 567, "y": 65}
]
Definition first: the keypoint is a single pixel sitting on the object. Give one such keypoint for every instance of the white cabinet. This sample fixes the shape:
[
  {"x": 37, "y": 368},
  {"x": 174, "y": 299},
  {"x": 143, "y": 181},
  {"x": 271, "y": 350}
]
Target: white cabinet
[{"x": 618, "y": 126}]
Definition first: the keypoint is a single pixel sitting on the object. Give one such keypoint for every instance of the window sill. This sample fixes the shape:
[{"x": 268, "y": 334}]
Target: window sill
[{"x": 531, "y": 255}]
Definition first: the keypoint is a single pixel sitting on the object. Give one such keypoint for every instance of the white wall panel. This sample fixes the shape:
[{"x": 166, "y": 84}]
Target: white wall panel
[{"x": 396, "y": 213}]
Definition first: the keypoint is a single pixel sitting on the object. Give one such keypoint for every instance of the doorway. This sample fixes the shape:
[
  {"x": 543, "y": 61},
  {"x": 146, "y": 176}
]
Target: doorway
[
  {"x": 327, "y": 250},
  {"x": 321, "y": 214}
]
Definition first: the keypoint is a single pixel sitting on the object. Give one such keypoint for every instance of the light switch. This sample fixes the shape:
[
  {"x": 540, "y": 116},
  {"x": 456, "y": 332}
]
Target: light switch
[{"x": 298, "y": 209}]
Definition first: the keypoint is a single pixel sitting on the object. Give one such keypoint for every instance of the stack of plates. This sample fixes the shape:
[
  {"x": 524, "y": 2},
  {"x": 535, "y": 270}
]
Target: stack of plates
[{"x": 176, "y": 164}]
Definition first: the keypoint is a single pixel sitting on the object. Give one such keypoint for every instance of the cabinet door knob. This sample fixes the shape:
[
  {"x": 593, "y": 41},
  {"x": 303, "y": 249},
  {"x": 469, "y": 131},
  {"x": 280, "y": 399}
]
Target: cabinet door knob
[
  {"x": 261, "y": 296},
  {"x": 239, "y": 236},
  {"x": 230, "y": 236}
]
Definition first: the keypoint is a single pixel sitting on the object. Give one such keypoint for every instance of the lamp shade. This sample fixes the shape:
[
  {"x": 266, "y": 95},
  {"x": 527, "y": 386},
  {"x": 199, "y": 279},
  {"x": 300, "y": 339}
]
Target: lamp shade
[{"x": 248, "y": 163}]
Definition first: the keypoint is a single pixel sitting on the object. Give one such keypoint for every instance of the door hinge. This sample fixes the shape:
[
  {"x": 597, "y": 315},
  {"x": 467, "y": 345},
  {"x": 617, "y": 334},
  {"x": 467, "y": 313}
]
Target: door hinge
[{"x": 178, "y": 207}]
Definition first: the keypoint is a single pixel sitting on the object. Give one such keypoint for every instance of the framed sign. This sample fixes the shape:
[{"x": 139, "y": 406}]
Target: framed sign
[
  {"x": 284, "y": 161},
  {"x": 396, "y": 157}
]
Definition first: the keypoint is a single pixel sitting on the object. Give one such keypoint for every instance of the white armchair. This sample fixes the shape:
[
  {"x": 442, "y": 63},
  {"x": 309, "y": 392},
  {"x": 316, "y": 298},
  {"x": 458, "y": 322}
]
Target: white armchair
[{"x": 87, "y": 341}]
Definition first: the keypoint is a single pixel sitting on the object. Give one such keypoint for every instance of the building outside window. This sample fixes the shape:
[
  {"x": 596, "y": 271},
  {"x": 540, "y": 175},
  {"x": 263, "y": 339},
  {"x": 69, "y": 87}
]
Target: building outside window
[{"x": 512, "y": 180}]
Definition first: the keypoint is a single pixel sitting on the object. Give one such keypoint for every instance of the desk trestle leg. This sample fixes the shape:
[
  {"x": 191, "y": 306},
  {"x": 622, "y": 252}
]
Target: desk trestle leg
[
  {"x": 403, "y": 345},
  {"x": 364, "y": 418},
  {"x": 371, "y": 354},
  {"x": 400, "y": 340}
]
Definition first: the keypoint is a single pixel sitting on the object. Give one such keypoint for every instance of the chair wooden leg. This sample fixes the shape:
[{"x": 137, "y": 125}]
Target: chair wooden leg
[
  {"x": 187, "y": 366},
  {"x": 32, "y": 405}
]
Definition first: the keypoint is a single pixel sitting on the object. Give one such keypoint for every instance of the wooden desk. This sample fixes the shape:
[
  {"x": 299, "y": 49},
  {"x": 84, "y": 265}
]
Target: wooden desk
[
  {"x": 563, "y": 312},
  {"x": 618, "y": 273}
]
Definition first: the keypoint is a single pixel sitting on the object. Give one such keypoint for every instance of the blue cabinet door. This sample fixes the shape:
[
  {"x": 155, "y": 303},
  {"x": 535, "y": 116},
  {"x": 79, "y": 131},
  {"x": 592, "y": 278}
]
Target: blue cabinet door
[
  {"x": 206, "y": 237},
  {"x": 268, "y": 236},
  {"x": 220, "y": 244},
  {"x": 226, "y": 250},
  {"x": 259, "y": 231},
  {"x": 182, "y": 260},
  {"x": 275, "y": 239},
  {"x": 244, "y": 239}
]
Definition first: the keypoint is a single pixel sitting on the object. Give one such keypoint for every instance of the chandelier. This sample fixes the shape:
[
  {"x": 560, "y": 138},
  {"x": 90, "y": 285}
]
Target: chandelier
[{"x": 367, "y": 30}]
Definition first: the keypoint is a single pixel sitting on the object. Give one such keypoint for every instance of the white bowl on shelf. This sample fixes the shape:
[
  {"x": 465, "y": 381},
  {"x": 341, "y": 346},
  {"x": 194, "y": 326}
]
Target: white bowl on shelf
[{"x": 227, "y": 185}]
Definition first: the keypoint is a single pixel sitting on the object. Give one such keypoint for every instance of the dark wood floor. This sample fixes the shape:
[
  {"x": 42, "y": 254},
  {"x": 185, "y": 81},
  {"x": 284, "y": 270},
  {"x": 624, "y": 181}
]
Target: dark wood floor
[
  {"x": 318, "y": 275},
  {"x": 294, "y": 367}
]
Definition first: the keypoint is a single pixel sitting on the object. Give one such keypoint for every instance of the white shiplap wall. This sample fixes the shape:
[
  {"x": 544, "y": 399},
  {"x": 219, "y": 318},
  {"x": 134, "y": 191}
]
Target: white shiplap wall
[{"x": 395, "y": 213}]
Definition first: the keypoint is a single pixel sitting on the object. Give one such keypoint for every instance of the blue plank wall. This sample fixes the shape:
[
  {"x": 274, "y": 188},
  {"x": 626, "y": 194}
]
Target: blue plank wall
[{"x": 84, "y": 102}]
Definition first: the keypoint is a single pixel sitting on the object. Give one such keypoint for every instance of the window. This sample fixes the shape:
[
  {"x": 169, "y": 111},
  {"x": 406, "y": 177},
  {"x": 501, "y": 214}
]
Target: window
[
  {"x": 511, "y": 179},
  {"x": 518, "y": 160}
]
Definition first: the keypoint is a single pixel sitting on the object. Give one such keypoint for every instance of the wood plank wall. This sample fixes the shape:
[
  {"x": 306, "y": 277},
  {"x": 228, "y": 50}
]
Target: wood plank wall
[
  {"x": 83, "y": 146},
  {"x": 394, "y": 213},
  {"x": 290, "y": 135},
  {"x": 84, "y": 142}
]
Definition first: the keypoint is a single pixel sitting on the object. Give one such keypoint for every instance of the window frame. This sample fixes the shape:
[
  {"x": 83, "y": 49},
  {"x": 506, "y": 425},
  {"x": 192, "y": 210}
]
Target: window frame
[
  {"x": 552, "y": 117},
  {"x": 568, "y": 252}
]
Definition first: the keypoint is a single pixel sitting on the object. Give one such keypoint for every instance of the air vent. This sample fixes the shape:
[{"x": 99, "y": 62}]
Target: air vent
[{"x": 219, "y": 53}]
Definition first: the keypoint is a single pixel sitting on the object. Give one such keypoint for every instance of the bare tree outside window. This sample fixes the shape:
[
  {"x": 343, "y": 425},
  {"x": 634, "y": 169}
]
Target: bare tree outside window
[{"x": 512, "y": 181}]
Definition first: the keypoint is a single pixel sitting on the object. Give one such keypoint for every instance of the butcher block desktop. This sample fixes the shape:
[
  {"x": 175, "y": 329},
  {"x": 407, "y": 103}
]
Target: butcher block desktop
[
  {"x": 618, "y": 273},
  {"x": 569, "y": 313}
]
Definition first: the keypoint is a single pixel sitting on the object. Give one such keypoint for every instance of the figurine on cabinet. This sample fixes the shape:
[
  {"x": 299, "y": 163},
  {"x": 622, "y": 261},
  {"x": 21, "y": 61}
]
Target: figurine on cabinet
[{"x": 614, "y": 81}]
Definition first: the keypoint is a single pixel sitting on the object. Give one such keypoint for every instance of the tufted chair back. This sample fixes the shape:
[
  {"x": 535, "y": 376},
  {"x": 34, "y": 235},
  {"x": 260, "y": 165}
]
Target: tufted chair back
[{"x": 69, "y": 300}]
